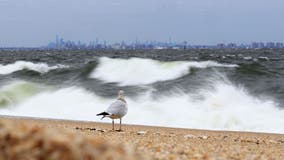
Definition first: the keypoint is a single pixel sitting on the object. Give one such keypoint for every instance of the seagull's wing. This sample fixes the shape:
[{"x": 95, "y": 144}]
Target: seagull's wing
[{"x": 118, "y": 108}]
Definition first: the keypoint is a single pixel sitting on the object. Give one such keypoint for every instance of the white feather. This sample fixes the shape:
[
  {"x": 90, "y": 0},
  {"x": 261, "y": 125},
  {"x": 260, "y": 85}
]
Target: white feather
[{"x": 117, "y": 109}]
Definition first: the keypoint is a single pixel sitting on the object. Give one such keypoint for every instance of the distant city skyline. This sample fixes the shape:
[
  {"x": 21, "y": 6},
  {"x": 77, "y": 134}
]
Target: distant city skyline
[
  {"x": 34, "y": 23},
  {"x": 62, "y": 44}
]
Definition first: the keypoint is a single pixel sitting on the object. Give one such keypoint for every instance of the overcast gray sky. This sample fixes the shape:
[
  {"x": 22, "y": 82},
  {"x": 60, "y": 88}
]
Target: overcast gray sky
[{"x": 36, "y": 22}]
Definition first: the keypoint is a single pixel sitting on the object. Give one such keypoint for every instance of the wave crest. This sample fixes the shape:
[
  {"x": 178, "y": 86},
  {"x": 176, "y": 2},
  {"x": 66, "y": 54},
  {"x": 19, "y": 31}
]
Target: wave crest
[
  {"x": 139, "y": 71},
  {"x": 20, "y": 65},
  {"x": 16, "y": 92}
]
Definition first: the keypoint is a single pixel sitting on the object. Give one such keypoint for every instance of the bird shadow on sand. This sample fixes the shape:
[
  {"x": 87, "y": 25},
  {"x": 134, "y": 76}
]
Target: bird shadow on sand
[{"x": 99, "y": 130}]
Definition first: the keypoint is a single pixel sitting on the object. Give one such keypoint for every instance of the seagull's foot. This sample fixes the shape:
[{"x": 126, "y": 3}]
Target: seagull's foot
[{"x": 119, "y": 130}]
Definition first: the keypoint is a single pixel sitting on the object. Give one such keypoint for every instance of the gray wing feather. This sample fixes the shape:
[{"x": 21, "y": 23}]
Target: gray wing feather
[{"x": 117, "y": 108}]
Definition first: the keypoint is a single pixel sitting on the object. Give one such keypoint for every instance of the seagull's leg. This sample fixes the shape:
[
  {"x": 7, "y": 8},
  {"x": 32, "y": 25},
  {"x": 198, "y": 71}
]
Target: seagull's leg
[
  {"x": 120, "y": 124},
  {"x": 112, "y": 124},
  {"x": 119, "y": 130}
]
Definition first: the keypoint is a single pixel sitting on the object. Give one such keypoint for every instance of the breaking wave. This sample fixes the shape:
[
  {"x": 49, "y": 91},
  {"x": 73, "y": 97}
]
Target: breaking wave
[
  {"x": 20, "y": 65},
  {"x": 139, "y": 71},
  {"x": 16, "y": 92},
  {"x": 223, "y": 106}
]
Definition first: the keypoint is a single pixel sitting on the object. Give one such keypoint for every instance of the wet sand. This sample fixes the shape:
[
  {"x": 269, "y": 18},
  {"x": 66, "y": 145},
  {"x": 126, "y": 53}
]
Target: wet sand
[{"x": 137, "y": 142}]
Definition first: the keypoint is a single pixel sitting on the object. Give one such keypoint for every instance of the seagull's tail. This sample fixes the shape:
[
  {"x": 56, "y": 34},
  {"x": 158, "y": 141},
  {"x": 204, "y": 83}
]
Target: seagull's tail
[{"x": 104, "y": 114}]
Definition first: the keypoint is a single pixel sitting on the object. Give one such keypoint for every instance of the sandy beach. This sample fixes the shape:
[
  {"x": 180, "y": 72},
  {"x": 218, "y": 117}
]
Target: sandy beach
[{"x": 137, "y": 142}]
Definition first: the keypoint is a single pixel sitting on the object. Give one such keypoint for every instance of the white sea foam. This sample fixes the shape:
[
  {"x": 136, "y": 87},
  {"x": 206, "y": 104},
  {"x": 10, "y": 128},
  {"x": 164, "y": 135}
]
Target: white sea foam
[
  {"x": 138, "y": 71},
  {"x": 17, "y": 91},
  {"x": 20, "y": 65},
  {"x": 223, "y": 107},
  {"x": 247, "y": 58}
]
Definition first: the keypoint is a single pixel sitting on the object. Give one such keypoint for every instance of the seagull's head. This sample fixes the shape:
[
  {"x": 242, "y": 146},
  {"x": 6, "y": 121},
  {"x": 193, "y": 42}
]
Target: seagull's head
[{"x": 121, "y": 94}]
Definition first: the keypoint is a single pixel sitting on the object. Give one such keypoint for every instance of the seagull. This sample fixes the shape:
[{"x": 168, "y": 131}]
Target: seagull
[{"x": 116, "y": 110}]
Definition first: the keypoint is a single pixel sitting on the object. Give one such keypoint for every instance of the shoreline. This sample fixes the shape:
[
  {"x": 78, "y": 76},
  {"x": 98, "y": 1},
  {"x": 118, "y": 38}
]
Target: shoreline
[
  {"x": 168, "y": 143},
  {"x": 40, "y": 119}
]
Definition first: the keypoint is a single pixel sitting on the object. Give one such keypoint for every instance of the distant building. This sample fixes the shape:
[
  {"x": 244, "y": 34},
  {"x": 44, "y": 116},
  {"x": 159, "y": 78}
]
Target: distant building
[
  {"x": 279, "y": 45},
  {"x": 221, "y": 45},
  {"x": 232, "y": 45},
  {"x": 270, "y": 45},
  {"x": 261, "y": 45},
  {"x": 257, "y": 45}
]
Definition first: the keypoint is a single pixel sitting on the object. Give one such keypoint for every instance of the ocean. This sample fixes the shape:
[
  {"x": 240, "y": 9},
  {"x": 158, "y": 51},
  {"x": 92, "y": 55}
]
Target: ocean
[{"x": 236, "y": 90}]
